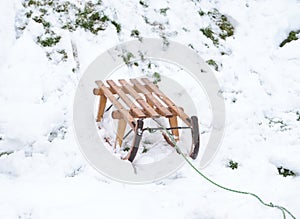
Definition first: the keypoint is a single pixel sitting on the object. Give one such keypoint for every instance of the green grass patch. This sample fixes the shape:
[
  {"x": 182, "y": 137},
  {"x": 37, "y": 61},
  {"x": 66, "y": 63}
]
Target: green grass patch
[
  {"x": 48, "y": 41},
  {"x": 91, "y": 17},
  {"x": 126, "y": 149},
  {"x": 223, "y": 23},
  {"x": 277, "y": 123},
  {"x": 212, "y": 63},
  {"x": 291, "y": 37},
  {"x": 298, "y": 115},
  {"x": 221, "y": 29},
  {"x": 232, "y": 164},
  {"x": 144, "y": 4},
  {"x": 90, "y": 20},
  {"x": 285, "y": 172},
  {"x": 117, "y": 26},
  {"x": 64, "y": 54},
  {"x": 136, "y": 34},
  {"x": 68, "y": 16},
  {"x": 145, "y": 150},
  {"x": 5, "y": 153},
  {"x": 210, "y": 35},
  {"x": 127, "y": 58},
  {"x": 163, "y": 11},
  {"x": 201, "y": 13},
  {"x": 157, "y": 77}
]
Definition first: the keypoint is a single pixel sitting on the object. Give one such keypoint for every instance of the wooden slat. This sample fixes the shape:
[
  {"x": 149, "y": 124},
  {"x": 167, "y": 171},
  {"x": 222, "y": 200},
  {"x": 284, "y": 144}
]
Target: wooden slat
[
  {"x": 161, "y": 109},
  {"x": 185, "y": 118},
  {"x": 101, "y": 107},
  {"x": 116, "y": 114},
  {"x": 120, "y": 132},
  {"x": 126, "y": 115},
  {"x": 98, "y": 91},
  {"x": 136, "y": 111},
  {"x": 174, "y": 123},
  {"x": 149, "y": 110}
]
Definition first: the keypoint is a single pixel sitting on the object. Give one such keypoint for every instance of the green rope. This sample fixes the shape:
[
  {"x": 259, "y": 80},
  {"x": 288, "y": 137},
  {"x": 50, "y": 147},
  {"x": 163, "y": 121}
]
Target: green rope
[
  {"x": 150, "y": 130},
  {"x": 271, "y": 205}
]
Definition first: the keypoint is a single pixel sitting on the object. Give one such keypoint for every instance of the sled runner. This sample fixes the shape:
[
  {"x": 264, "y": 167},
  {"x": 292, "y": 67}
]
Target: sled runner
[{"x": 143, "y": 100}]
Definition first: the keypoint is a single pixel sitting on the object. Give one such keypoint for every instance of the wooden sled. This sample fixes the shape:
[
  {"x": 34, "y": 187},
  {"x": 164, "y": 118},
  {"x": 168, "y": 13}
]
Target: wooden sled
[{"x": 143, "y": 100}]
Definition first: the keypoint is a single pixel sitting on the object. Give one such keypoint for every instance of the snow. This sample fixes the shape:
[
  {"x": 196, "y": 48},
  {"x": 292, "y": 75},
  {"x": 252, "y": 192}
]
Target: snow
[{"x": 259, "y": 81}]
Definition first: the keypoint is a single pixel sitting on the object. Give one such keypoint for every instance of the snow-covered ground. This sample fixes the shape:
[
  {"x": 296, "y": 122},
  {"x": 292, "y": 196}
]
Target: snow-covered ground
[{"x": 44, "y": 175}]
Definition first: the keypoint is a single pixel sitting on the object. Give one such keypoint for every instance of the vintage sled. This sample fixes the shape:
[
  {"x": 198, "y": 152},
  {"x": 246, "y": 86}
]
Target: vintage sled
[{"x": 149, "y": 103}]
